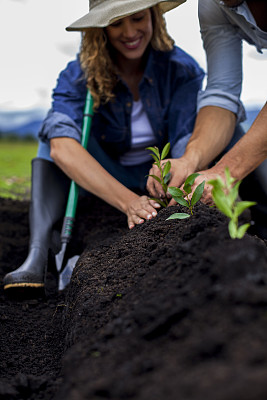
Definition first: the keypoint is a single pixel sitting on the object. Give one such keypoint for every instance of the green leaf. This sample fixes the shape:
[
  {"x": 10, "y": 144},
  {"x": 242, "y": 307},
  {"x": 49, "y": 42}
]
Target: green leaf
[
  {"x": 233, "y": 193},
  {"x": 191, "y": 179},
  {"x": 178, "y": 216},
  {"x": 155, "y": 150},
  {"x": 189, "y": 182},
  {"x": 221, "y": 202},
  {"x": 216, "y": 183},
  {"x": 225, "y": 197},
  {"x": 242, "y": 206},
  {"x": 154, "y": 157},
  {"x": 165, "y": 151},
  {"x": 187, "y": 188},
  {"x": 229, "y": 179},
  {"x": 242, "y": 230},
  {"x": 167, "y": 178},
  {"x": 167, "y": 168},
  {"x": 156, "y": 178},
  {"x": 197, "y": 193},
  {"x": 232, "y": 229},
  {"x": 181, "y": 201},
  {"x": 175, "y": 191}
]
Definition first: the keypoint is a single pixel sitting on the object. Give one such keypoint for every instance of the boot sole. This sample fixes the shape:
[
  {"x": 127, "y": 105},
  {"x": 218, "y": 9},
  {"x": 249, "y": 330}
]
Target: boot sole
[
  {"x": 25, "y": 291},
  {"x": 24, "y": 285}
]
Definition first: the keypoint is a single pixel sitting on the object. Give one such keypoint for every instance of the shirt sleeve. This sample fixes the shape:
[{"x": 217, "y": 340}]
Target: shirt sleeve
[
  {"x": 223, "y": 47},
  {"x": 186, "y": 83},
  {"x": 66, "y": 115},
  {"x": 57, "y": 124}
]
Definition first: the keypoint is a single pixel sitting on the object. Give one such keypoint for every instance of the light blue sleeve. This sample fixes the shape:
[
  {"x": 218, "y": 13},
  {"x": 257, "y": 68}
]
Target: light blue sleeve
[{"x": 223, "y": 47}]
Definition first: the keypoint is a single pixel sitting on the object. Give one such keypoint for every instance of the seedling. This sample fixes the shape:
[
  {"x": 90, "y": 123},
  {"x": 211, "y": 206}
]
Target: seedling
[
  {"x": 225, "y": 198},
  {"x": 164, "y": 169},
  {"x": 182, "y": 196}
]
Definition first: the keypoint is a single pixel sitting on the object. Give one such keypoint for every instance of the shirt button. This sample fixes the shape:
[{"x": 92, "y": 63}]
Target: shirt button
[
  {"x": 160, "y": 133},
  {"x": 148, "y": 103},
  {"x": 103, "y": 137},
  {"x": 129, "y": 104}
]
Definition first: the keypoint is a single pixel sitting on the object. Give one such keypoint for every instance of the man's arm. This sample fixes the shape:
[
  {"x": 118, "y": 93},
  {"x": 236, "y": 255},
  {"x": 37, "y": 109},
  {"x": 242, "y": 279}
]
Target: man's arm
[
  {"x": 247, "y": 154},
  {"x": 212, "y": 133},
  {"x": 219, "y": 105}
]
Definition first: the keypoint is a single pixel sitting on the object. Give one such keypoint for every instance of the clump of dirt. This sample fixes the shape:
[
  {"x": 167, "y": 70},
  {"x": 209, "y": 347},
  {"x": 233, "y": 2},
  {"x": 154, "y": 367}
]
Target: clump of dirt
[{"x": 172, "y": 309}]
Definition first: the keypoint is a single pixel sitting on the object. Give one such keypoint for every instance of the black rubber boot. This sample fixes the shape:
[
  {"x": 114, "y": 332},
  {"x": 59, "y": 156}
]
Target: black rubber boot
[{"x": 48, "y": 202}]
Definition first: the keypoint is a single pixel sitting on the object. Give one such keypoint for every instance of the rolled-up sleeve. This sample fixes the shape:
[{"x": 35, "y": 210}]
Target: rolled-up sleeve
[
  {"x": 57, "y": 124},
  {"x": 223, "y": 47}
]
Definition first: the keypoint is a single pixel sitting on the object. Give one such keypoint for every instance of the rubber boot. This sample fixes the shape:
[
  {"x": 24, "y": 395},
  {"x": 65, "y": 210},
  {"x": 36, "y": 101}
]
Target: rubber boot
[{"x": 48, "y": 202}]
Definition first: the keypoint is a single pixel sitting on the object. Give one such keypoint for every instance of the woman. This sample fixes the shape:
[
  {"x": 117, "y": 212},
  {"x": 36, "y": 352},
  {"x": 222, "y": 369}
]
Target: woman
[{"x": 144, "y": 90}]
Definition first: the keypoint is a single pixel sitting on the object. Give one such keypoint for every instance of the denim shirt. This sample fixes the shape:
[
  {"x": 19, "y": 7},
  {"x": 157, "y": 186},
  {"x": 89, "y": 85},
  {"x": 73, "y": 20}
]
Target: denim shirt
[
  {"x": 223, "y": 29},
  {"x": 168, "y": 91}
]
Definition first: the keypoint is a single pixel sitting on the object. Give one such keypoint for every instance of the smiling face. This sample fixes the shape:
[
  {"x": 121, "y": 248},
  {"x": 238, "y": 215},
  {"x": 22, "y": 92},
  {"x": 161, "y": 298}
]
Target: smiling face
[{"x": 131, "y": 35}]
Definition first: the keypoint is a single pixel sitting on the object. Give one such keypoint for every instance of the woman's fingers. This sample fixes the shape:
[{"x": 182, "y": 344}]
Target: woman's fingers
[
  {"x": 134, "y": 220},
  {"x": 140, "y": 210}
]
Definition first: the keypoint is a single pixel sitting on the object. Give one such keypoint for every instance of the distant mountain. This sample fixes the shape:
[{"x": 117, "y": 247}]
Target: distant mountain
[
  {"x": 22, "y": 123},
  {"x": 30, "y": 128}
]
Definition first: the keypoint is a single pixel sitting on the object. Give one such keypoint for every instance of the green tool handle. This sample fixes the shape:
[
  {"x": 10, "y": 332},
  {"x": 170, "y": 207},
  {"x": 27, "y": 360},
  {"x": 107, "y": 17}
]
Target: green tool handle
[{"x": 74, "y": 188}]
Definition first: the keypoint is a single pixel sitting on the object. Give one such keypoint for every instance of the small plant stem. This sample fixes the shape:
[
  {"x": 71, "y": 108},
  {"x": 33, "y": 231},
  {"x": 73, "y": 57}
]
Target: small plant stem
[{"x": 190, "y": 205}]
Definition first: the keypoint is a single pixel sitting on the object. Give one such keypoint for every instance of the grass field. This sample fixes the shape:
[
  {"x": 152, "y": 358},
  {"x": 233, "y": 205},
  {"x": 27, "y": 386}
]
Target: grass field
[{"x": 15, "y": 168}]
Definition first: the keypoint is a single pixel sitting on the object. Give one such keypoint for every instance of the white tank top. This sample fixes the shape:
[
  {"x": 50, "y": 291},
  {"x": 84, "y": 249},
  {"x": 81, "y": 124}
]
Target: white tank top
[{"x": 142, "y": 137}]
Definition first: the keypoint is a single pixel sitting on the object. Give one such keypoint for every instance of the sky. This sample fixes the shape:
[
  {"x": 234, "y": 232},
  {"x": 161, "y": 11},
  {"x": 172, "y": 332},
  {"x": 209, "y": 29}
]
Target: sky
[{"x": 35, "y": 47}]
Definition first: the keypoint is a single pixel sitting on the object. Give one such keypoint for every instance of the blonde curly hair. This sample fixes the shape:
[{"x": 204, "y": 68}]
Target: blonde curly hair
[{"x": 100, "y": 72}]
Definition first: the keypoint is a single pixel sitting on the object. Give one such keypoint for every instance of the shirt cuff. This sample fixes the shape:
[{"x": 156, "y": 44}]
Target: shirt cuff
[
  {"x": 57, "y": 124},
  {"x": 213, "y": 97},
  {"x": 178, "y": 148}
]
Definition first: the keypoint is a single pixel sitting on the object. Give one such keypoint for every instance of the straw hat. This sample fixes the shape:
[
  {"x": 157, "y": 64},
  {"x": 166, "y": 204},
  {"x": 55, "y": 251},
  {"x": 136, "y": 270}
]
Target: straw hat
[{"x": 103, "y": 12}]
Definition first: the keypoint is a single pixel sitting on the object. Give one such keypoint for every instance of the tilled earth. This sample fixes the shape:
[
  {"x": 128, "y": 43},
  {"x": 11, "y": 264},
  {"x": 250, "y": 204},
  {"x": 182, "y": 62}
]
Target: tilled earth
[{"x": 170, "y": 310}]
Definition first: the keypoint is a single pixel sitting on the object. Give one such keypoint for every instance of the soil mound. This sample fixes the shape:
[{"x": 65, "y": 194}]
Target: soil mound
[{"x": 170, "y": 310}]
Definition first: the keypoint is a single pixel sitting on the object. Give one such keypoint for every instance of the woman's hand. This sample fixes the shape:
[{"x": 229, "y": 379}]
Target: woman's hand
[
  {"x": 141, "y": 209},
  {"x": 78, "y": 164}
]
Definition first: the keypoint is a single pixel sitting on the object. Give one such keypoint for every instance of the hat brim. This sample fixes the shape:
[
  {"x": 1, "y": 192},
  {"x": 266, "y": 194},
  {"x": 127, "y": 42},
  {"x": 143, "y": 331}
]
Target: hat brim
[{"x": 107, "y": 12}]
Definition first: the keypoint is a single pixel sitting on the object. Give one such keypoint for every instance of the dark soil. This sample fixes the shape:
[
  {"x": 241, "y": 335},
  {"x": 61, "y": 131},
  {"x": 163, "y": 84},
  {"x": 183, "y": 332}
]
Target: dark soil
[{"x": 172, "y": 310}]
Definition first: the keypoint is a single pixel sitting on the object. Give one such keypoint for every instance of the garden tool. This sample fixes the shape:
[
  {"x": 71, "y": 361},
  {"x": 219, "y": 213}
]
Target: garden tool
[
  {"x": 65, "y": 275},
  {"x": 49, "y": 191}
]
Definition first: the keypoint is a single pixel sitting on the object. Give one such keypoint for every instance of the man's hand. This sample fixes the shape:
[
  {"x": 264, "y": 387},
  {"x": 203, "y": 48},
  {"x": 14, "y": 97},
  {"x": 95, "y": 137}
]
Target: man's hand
[
  {"x": 141, "y": 209},
  {"x": 180, "y": 170},
  {"x": 205, "y": 176}
]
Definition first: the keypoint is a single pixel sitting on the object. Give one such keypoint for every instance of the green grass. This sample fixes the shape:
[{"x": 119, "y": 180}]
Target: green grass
[{"x": 15, "y": 168}]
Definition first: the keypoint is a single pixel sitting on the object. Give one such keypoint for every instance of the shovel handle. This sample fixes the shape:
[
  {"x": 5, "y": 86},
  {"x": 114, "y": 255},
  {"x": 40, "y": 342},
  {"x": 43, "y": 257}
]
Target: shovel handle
[{"x": 74, "y": 188}]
